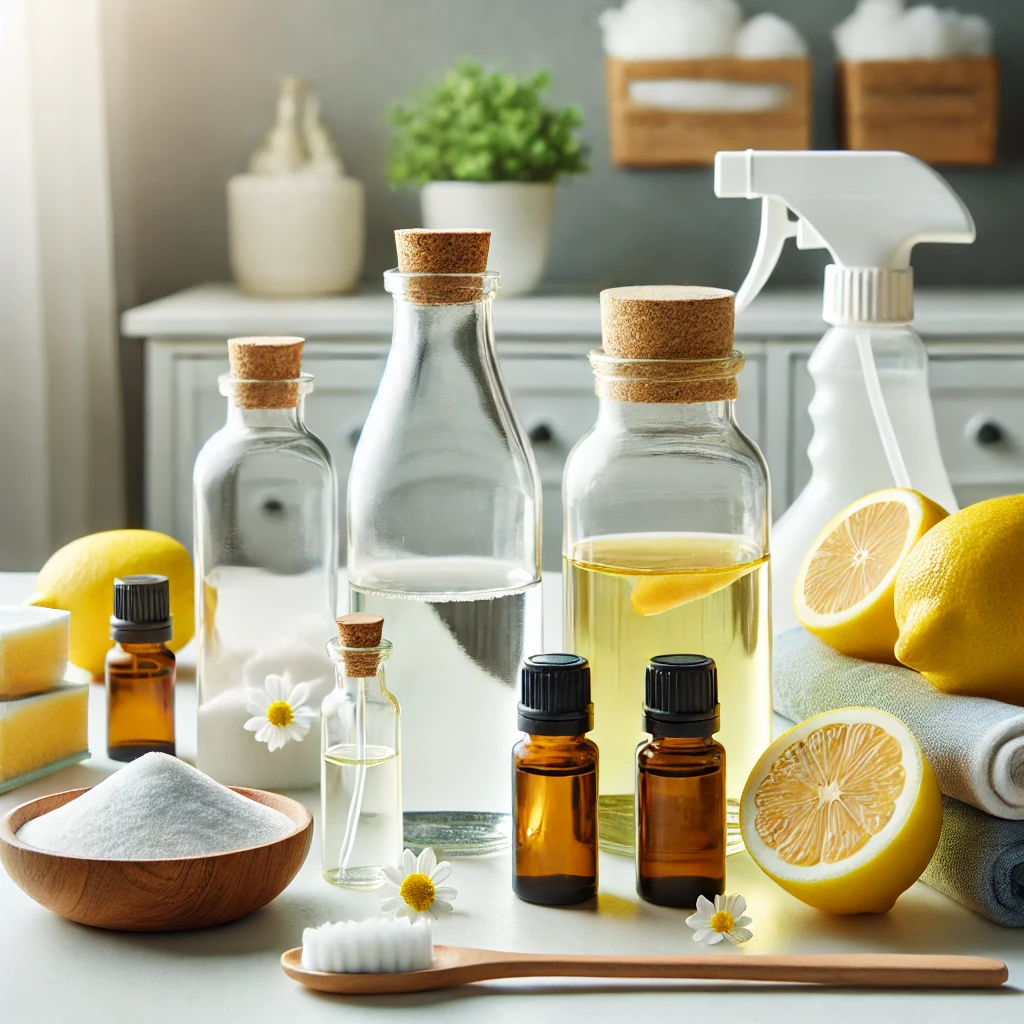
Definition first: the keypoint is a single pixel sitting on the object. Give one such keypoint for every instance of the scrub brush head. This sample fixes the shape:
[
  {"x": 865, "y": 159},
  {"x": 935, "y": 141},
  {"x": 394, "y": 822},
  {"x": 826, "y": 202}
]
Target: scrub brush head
[{"x": 380, "y": 945}]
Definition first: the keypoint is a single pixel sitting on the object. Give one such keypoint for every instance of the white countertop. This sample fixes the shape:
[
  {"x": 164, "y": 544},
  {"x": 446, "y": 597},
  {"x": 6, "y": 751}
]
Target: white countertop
[
  {"x": 221, "y": 311},
  {"x": 53, "y": 970}
]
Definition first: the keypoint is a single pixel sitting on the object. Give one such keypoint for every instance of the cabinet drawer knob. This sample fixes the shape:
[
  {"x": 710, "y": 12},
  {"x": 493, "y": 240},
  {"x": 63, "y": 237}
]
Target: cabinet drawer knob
[
  {"x": 354, "y": 434},
  {"x": 540, "y": 434},
  {"x": 989, "y": 433},
  {"x": 273, "y": 506}
]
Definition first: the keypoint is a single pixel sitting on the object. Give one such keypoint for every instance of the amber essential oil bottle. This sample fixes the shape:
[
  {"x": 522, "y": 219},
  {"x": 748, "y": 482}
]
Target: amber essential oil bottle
[
  {"x": 680, "y": 784},
  {"x": 140, "y": 670},
  {"x": 554, "y": 784}
]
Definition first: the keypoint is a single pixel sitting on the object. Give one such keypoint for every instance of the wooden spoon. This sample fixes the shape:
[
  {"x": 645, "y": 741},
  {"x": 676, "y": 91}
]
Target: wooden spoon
[{"x": 457, "y": 965}]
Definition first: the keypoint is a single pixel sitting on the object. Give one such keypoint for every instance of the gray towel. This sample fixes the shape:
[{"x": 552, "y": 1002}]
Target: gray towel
[
  {"x": 979, "y": 862},
  {"x": 975, "y": 746}
]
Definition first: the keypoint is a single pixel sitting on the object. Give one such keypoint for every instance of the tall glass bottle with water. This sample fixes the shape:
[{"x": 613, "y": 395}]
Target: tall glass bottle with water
[{"x": 444, "y": 541}]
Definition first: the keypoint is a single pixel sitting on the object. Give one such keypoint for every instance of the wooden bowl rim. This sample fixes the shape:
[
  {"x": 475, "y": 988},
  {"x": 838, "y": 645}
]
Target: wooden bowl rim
[{"x": 297, "y": 809}]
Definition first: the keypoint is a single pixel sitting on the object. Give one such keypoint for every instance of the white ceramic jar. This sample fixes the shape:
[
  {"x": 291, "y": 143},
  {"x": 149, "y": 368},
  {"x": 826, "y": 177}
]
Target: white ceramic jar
[{"x": 296, "y": 234}]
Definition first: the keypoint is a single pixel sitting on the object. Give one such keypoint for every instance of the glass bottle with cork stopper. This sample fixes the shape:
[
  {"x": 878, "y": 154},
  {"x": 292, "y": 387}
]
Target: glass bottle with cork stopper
[
  {"x": 361, "y": 776},
  {"x": 444, "y": 541},
  {"x": 140, "y": 670},
  {"x": 680, "y": 784},
  {"x": 265, "y": 502},
  {"x": 554, "y": 784},
  {"x": 666, "y": 518}
]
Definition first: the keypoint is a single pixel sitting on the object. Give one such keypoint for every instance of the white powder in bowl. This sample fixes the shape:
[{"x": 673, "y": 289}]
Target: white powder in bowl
[{"x": 155, "y": 808}]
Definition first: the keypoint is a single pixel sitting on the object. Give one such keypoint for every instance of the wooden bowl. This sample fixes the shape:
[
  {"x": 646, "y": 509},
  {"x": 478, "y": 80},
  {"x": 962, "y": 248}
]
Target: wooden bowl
[{"x": 155, "y": 895}]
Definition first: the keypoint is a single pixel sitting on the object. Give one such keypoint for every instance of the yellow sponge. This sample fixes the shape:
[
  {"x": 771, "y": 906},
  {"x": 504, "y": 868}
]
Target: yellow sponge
[
  {"x": 33, "y": 649},
  {"x": 36, "y": 732}
]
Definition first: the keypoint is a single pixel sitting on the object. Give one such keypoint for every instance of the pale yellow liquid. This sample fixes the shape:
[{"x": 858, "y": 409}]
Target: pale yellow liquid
[{"x": 631, "y": 597}]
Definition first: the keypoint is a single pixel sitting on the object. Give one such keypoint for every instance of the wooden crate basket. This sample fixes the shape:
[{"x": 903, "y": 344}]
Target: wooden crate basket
[
  {"x": 943, "y": 111},
  {"x": 646, "y": 136}
]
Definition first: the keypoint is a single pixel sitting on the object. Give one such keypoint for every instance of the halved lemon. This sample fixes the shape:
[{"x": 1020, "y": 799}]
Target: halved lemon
[
  {"x": 843, "y": 811},
  {"x": 844, "y": 590}
]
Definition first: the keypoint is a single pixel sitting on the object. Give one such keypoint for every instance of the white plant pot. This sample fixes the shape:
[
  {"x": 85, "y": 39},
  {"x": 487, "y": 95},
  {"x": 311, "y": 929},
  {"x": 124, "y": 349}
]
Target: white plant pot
[
  {"x": 296, "y": 234},
  {"x": 518, "y": 214}
]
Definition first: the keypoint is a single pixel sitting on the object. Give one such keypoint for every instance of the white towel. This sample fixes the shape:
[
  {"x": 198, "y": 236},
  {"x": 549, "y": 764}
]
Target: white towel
[{"x": 975, "y": 746}]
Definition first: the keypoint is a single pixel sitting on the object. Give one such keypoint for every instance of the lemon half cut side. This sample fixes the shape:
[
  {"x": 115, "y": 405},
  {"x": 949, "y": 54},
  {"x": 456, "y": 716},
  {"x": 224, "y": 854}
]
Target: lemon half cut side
[
  {"x": 843, "y": 811},
  {"x": 844, "y": 590}
]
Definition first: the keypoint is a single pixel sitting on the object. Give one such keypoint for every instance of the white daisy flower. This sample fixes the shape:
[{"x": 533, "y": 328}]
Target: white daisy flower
[
  {"x": 279, "y": 711},
  {"x": 417, "y": 884},
  {"x": 720, "y": 920}
]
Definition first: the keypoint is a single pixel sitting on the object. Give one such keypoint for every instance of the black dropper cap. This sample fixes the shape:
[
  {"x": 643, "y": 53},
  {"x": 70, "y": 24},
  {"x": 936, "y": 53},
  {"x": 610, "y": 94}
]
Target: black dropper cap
[
  {"x": 681, "y": 696},
  {"x": 556, "y": 696},
  {"x": 142, "y": 610}
]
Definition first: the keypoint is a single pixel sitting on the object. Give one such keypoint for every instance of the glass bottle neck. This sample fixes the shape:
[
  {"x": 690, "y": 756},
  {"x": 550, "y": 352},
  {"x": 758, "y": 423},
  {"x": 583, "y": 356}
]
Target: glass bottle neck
[
  {"x": 423, "y": 331},
  {"x": 266, "y": 419},
  {"x": 655, "y": 417},
  {"x": 682, "y": 742},
  {"x": 543, "y": 742},
  {"x": 150, "y": 648}
]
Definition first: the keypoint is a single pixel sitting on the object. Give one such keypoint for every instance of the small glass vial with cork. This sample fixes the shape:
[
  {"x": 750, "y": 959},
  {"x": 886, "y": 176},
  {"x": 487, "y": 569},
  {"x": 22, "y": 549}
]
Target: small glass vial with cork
[
  {"x": 361, "y": 768},
  {"x": 266, "y": 559},
  {"x": 680, "y": 784},
  {"x": 554, "y": 784},
  {"x": 140, "y": 669}
]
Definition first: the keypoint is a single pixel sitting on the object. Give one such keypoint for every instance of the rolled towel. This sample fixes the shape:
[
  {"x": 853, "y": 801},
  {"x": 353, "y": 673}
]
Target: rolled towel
[
  {"x": 975, "y": 746},
  {"x": 979, "y": 862}
]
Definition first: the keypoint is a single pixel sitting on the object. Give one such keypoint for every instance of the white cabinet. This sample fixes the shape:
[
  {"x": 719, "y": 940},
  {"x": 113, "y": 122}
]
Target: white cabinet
[{"x": 977, "y": 385}]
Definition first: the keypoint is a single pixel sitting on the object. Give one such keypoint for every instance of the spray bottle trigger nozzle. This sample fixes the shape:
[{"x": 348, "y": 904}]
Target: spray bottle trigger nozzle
[{"x": 776, "y": 227}]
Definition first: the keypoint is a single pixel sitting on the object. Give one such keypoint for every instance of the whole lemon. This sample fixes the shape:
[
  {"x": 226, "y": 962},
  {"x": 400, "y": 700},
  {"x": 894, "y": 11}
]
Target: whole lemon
[
  {"x": 960, "y": 602},
  {"x": 79, "y": 578}
]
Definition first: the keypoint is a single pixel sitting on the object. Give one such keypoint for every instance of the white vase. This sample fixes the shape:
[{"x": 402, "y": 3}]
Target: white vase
[
  {"x": 297, "y": 234},
  {"x": 518, "y": 214}
]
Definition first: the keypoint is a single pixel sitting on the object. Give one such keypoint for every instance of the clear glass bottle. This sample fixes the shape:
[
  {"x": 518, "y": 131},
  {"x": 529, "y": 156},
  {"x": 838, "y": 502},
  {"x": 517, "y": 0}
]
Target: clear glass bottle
[
  {"x": 680, "y": 784},
  {"x": 444, "y": 542},
  {"x": 554, "y": 784},
  {"x": 140, "y": 669},
  {"x": 361, "y": 773},
  {"x": 666, "y": 517},
  {"x": 265, "y": 500}
]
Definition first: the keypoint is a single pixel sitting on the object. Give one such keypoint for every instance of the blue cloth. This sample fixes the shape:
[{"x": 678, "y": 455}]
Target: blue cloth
[{"x": 979, "y": 862}]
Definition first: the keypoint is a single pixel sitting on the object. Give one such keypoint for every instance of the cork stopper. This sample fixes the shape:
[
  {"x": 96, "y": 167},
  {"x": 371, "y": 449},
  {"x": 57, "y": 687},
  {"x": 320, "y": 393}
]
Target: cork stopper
[
  {"x": 360, "y": 629},
  {"x": 667, "y": 322},
  {"x": 667, "y": 343},
  {"x": 268, "y": 368},
  {"x": 421, "y": 251}
]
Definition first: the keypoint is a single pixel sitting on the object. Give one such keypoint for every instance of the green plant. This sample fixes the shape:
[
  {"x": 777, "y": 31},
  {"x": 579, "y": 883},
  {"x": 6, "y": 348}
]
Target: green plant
[{"x": 478, "y": 125}]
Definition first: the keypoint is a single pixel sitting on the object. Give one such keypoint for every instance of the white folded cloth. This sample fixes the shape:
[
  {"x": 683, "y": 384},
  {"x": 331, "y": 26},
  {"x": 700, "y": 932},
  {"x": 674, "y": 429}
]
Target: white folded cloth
[{"x": 975, "y": 746}]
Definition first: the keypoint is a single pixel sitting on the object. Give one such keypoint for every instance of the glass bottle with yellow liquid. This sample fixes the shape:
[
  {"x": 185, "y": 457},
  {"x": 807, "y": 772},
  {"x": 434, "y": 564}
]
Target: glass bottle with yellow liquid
[{"x": 666, "y": 507}]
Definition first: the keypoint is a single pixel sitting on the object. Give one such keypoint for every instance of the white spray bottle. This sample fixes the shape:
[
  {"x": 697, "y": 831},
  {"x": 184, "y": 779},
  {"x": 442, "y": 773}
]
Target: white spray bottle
[{"x": 872, "y": 412}]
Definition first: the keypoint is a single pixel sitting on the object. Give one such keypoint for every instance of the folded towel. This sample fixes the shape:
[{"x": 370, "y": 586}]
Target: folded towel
[
  {"x": 979, "y": 862},
  {"x": 975, "y": 746}
]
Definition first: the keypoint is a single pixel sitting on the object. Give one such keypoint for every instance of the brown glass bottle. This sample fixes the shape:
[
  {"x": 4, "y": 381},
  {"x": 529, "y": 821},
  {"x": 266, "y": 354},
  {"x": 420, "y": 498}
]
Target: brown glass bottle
[
  {"x": 554, "y": 784},
  {"x": 680, "y": 785},
  {"x": 140, "y": 670}
]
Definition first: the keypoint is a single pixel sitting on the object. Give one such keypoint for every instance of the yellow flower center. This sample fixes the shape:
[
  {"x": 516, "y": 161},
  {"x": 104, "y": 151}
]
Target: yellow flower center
[
  {"x": 721, "y": 921},
  {"x": 280, "y": 713},
  {"x": 418, "y": 891}
]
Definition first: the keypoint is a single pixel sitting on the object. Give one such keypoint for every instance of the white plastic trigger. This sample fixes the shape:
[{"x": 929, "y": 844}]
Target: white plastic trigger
[{"x": 776, "y": 227}]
